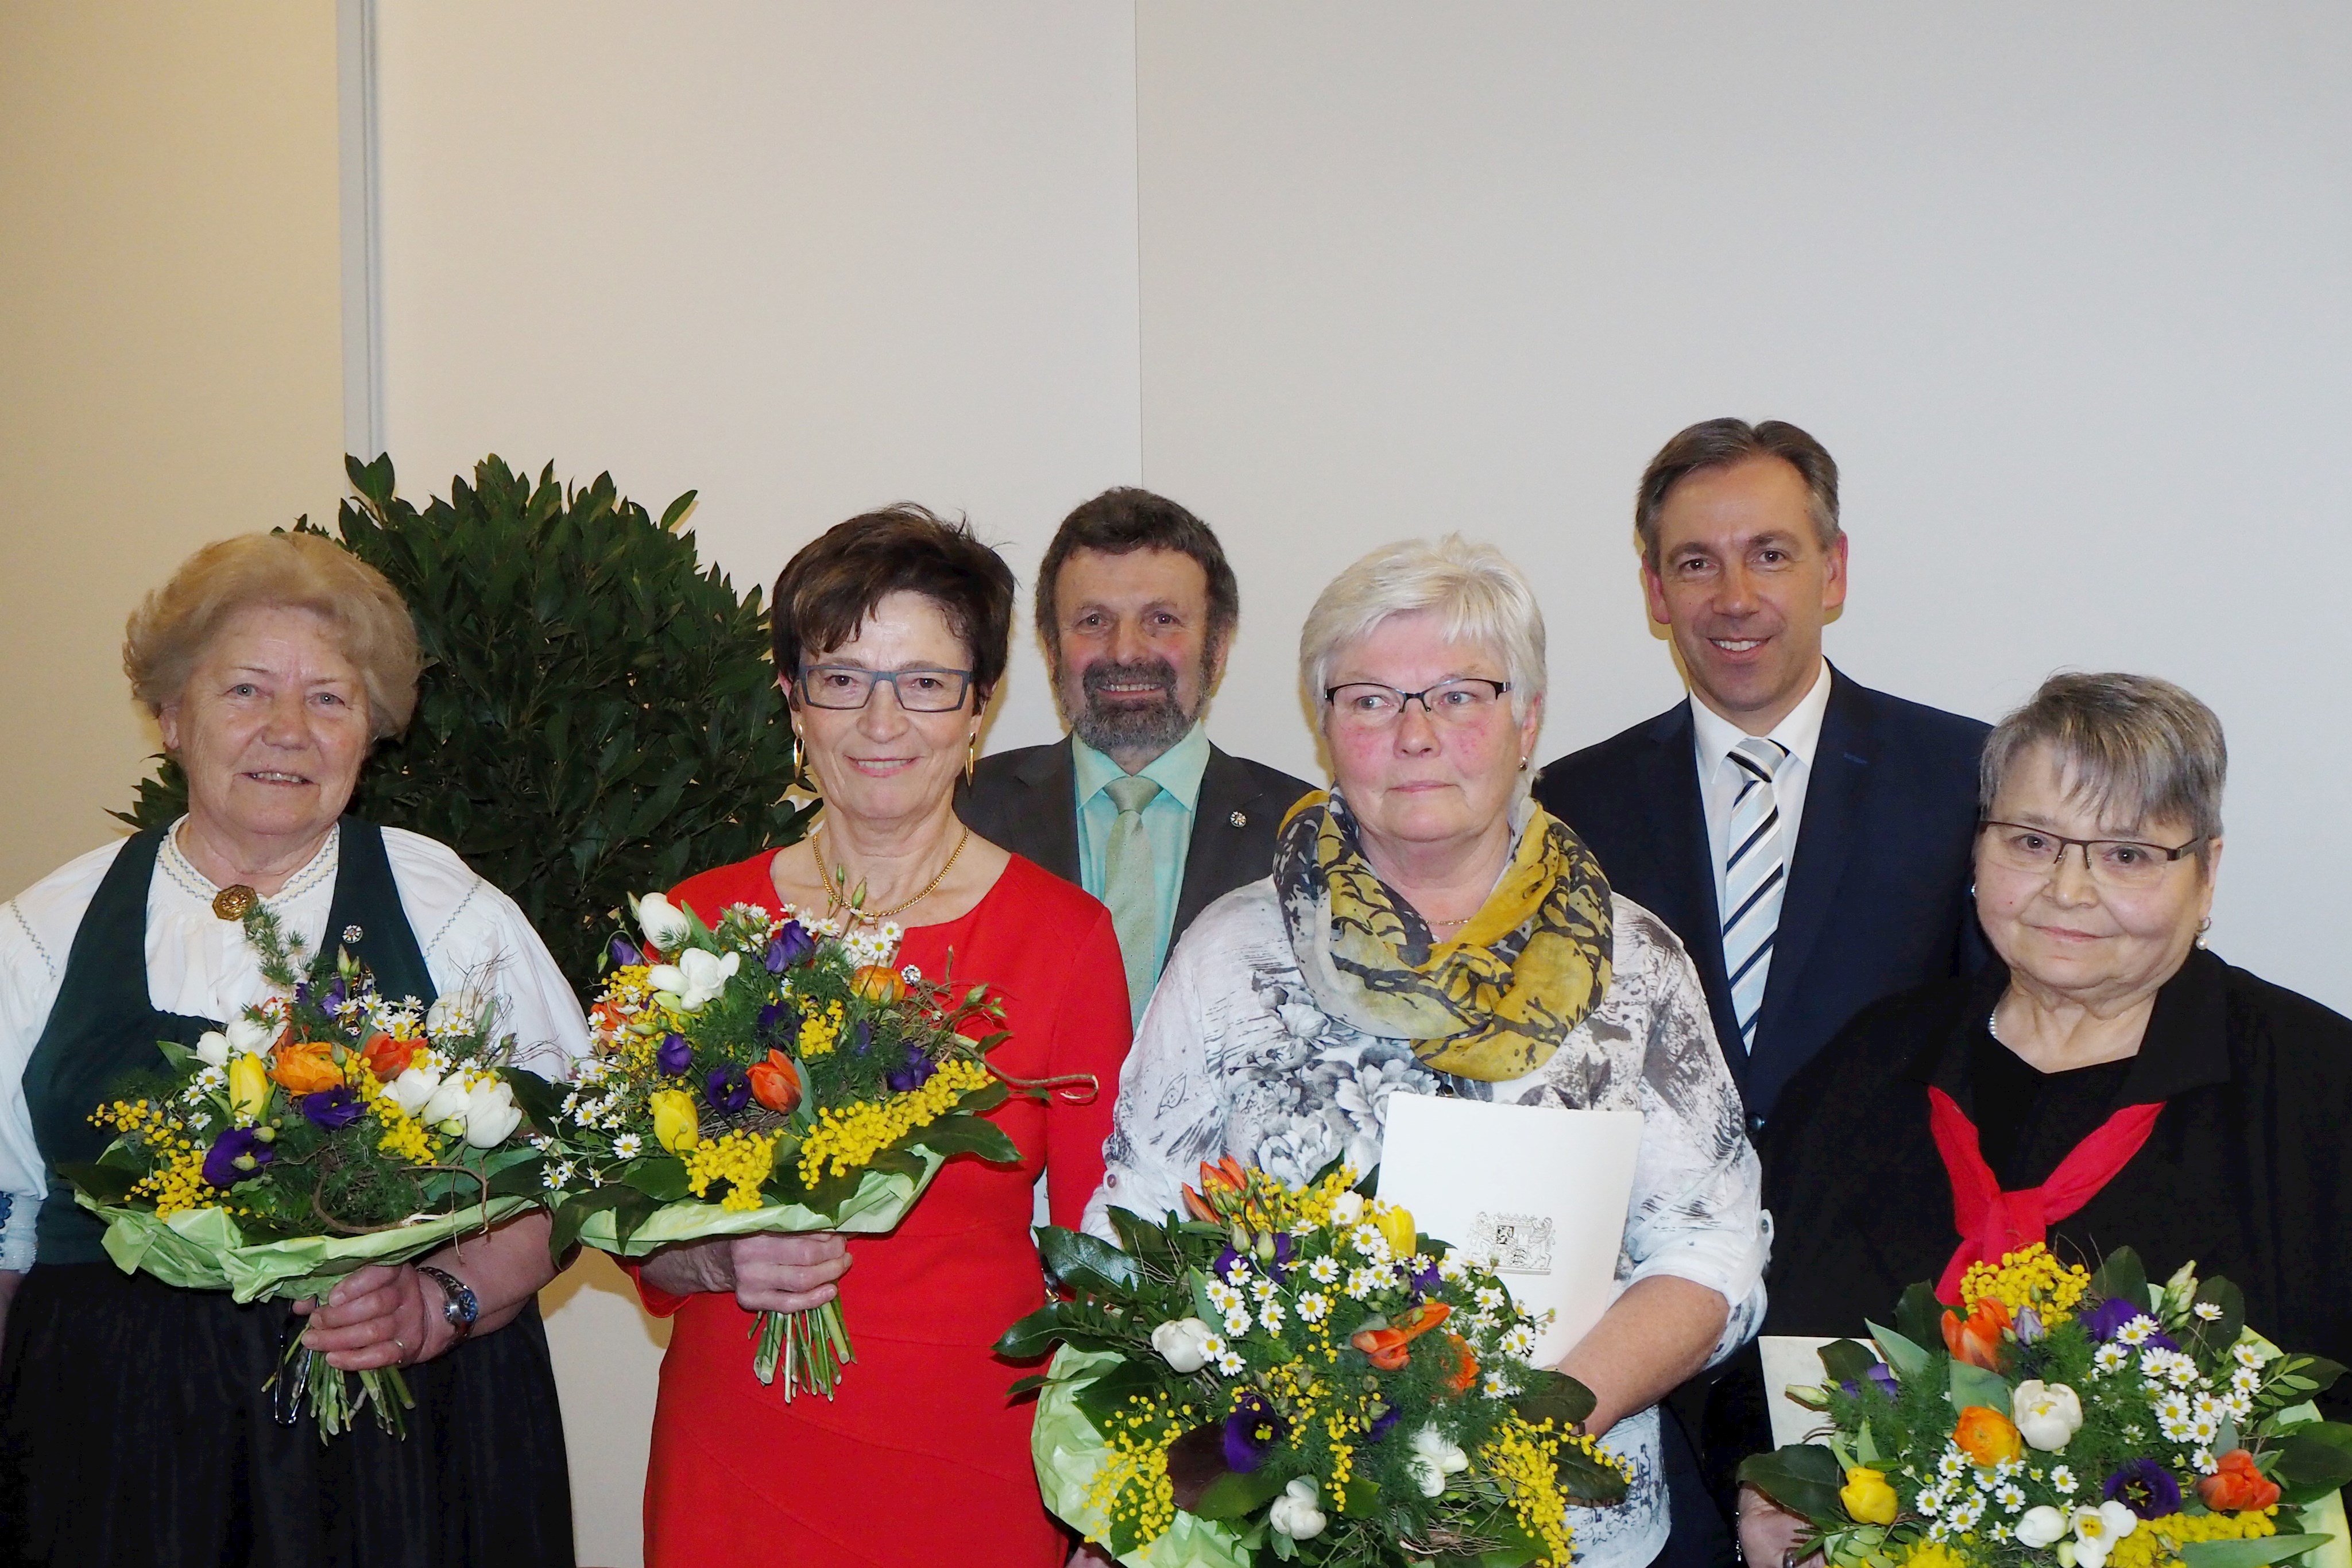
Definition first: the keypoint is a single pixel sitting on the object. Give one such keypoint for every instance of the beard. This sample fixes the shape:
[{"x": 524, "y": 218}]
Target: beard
[{"x": 1112, "y": 726}]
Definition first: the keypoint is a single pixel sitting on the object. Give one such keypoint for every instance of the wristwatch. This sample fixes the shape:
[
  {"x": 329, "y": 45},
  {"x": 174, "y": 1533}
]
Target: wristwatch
[{"x": 458, "y": 1307}]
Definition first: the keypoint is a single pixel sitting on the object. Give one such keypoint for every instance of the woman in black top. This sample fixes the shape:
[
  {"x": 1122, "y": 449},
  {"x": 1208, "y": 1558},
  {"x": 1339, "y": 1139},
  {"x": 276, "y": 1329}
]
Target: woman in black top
[{"x": 2106, "y": 1083}]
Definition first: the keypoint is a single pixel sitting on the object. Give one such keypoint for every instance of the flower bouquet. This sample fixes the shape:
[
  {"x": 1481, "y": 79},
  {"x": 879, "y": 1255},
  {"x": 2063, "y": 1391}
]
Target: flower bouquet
[
  {"x": 772, "y": 1074},
  {"x": 2062, "y": 1416},
  {"x": 325, "y": 1129},
  {"x": 1294, "y": 1374}
]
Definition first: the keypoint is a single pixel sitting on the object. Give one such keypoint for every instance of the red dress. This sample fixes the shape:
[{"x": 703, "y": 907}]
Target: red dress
[{"x": 920, "y": 1458}]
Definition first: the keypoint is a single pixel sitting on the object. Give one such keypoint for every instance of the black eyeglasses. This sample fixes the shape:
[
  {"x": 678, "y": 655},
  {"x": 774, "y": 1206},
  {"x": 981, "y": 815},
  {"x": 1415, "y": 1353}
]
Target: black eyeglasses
[
  {"x": 1368, "y": 704},
  {"x": 2119, "y": 862},
  {"x": 919, "y": 688}
]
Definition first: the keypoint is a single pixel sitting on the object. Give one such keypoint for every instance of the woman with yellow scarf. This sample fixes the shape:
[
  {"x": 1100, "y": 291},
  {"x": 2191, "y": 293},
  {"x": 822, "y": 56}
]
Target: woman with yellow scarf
[{"x": 1428, "y": 929}]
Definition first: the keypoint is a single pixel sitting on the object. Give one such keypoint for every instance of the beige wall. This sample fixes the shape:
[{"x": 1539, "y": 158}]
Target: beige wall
[{"x": 171, "y": 365}]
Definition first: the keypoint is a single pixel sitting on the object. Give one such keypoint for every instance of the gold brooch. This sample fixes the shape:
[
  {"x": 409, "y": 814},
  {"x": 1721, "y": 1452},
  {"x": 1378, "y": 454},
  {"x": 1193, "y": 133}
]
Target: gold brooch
[{"x": 234, "y": 902}]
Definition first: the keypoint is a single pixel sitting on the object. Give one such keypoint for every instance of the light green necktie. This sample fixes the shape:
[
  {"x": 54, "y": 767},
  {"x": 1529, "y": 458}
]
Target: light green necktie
[{"x": 1131, "y": 889}]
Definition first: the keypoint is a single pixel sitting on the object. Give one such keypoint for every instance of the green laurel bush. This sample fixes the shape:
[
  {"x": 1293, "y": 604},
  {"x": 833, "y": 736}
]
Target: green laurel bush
[{"x": 597, "y": 716}]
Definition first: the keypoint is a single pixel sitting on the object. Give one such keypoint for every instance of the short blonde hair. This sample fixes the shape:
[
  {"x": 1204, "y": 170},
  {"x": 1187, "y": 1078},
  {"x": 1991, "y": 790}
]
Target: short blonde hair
[
  {"x": 168, "y": 634},
  {"x": 1473, "y": 589}
]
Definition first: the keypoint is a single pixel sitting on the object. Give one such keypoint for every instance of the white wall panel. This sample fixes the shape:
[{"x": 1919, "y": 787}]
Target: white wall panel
[{"x": 2063, "y": 290}]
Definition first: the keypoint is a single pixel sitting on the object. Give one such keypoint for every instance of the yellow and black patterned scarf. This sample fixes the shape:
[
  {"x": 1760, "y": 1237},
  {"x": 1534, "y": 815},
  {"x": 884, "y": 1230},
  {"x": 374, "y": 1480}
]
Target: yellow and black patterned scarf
[{"x": 1496, "y": 1001}]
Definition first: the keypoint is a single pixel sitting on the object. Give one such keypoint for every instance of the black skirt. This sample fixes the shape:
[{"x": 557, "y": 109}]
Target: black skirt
[{"x": 135, "y": 1429}]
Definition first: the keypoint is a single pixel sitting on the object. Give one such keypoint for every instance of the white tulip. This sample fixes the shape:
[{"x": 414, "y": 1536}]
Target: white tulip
[
  {"x": 2038, "y": 1527},
  {"x": 1347, "y": 1208},
  {"x": 2096, "y": 1531},
  {"x": 663, "y": 923},
  {"x": 413, "y": 1089},
  {"x": 250, "y": 1037},
  {"x": 696, "y": 978},
  {"x": 2048, "y": 1414},
  {"x": 1183, "y": 1343},
  {"x": 212, "y": 1049},
  {"x": 447, "y": 1105},
  {"x": 1294, "y": 1513},
  {"x": 490, "y": 1113},
  {"x": 1436, "y": 1456}
]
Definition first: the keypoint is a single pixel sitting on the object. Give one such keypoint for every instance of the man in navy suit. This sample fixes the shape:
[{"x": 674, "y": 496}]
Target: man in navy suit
[{"x": 1806, "y": 837}]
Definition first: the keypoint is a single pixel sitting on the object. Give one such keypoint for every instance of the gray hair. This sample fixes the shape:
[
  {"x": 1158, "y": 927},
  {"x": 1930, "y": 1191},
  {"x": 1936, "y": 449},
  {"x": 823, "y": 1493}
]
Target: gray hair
[
  {"x": 1476, "y": 593},
  {"x": 2137, "y": 748}
]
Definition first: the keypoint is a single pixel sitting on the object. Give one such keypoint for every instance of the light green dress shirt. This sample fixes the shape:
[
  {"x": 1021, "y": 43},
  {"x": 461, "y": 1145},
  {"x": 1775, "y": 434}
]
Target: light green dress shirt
[{"x": 1168, "y": 822}]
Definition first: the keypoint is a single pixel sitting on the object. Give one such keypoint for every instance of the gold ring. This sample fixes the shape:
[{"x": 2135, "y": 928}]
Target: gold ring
[{"x": 402, "y": 1359}]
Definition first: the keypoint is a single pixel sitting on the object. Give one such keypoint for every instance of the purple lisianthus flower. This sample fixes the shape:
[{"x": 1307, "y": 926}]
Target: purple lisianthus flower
[
  {"x": 727, "y": 1089},
  {"x": 861, "y": 1038},
  {"x": 335, "y": 998},
  {"x": 1251, "y": 1432},
  {"x": 1382, "y": 1424},
  {"x": 674, "y": 1056},
  {"x": 788, "y": 945},
  {"x": 1881, "y": 1375},
  {"x": 2146, "y": 1488},
  {"x": 624, "y": 953},
  {"x": 914, "y": 1075},
  {"x": 301, "y": 993},
  {"x": 222, "y": 1167},
  {"x": 1222, "y": 1267},
  {"x": 1425, "y": 1280},
  {"x": 2106, "y": 1319},
  {"x": 331, "y": 1108},
  {"x": 2029, "y": 1326}
]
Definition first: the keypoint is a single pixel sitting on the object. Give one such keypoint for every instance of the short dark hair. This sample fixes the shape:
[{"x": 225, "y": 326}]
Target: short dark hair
[
  {"x": 1125, "y": 519},
  {"x": 1719, "y": 443},
  {"x": 832, "y": 584}
]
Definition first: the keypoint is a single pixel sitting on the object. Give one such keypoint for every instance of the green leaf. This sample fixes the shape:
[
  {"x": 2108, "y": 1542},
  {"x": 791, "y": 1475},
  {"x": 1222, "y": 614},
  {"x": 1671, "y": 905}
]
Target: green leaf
[
  {"x": 1032, "y": 1335},
  {"x": 1803, "y": 1478},
  {"x": 2314, "y": 1459},
  {"x": 1906, "y": 1356},
  {"x": 1555, "y": 1396},
  {"x": 105, "y": 1182},
  {"x": 1847, "y": 1361},
  {"x": 1237, "y": 1493},
  {"x": 675, "y": 512},
  {"x": 2252, "y": 1553},
  {"x": 2123, "y": 1276},
  {"x": 968, "y": 1136},
  {"x": 1975, "y": 1386},
  {"x": 573, "y": 1212},
  {"x": 661, "y": 1177},
  {"x": 541, "y": 1101},
  {"x": 1919, "y": 1316},
  {"x": 1084, "y": 1262}
]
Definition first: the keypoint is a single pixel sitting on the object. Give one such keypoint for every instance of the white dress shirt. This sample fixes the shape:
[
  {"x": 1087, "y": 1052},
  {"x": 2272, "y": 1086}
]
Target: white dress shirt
[
  {"x": 474, "y": 938},
  {"x": 1714, "y": 736}
]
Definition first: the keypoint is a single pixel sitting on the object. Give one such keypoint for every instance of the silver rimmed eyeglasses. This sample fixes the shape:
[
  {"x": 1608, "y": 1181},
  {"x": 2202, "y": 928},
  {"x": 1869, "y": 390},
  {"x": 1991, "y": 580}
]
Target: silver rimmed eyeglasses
[
  {"x": 2117, "y": 863},
  {"x": 919, "y": 688},
  {"x": 1369, "y": 704}
]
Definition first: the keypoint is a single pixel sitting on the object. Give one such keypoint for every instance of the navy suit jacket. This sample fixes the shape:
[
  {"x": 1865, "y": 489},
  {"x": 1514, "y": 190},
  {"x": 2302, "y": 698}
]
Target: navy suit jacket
[{"x": 1878, "y": 897}]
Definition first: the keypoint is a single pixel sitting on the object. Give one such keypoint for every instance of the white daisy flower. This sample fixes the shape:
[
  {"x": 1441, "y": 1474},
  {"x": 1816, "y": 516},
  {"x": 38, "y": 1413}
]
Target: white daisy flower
[
  {"x": 1222, "y": 1296},
  {"x": 2109, "y": 1356},
  {"x": 2063, "y": 1480},
  {"x": 1270, "y": 1314},
  {"x": 1261, "y": 1287},
  {"x": 2010, "y": 1496},
  {"x": 2001, "y": 1532},
  {"x": 1314, "y": 1307},
  {"x": 1324, "y": 1271},
  {"x": 1931, "y": 1500},
  {"x": 558, "y": 1175},
  {"x": 1939, "y": 1532},
  {"x": 2246, "y": 1355},
  {"x": 1232, "y": 1366},
  {"x": 1966, "y": 1513},
  {"x": 2137, "y": 1331},
  {"x": 1363, "y": 1283},
  {"x": 1490, "y": 1298},
  {"x": 1951, "y": 1465},
  {"x": 1237, "y": 1321},
  {"x": 627, "y": 1146},
  {"x": 2238, "y": 1407},
  {"x": 1452, "y": 1266},
  {"x": 1520, "y": 1340},
  {"x": 2209, "y": 1310},
  {"x": 2246, "y": 1380},
  {"x": 1366, "y": 1240},
  {"x": 2204, "y": 1462},
  {"x": 1498, "y": 1387}
]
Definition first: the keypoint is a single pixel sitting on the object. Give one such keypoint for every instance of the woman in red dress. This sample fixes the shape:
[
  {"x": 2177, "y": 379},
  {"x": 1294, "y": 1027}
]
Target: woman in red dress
[{"x": 891, "y": 629}]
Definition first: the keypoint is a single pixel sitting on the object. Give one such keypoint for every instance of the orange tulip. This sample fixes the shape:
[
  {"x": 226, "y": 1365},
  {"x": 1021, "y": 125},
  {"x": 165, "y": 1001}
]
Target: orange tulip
[
  {"x": 2238, "y": 1486},
  {"x": 878, "y": 982},
  {"x": 1986, "y": 1436},
  {"x": 775, "y": 1083},
  {"x": 1392, "y": 1347},
  {"x": 387, "y": 1055},
  {"x": 1221, "y": 1184},
  {"x": 306, "y": 1067},
  {"x": 1975, "y": 1339},
  {"x": 1465, "y": 1369}
]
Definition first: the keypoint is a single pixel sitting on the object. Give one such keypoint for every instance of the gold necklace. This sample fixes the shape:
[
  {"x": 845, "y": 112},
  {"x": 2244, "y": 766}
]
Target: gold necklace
[{"x": 836, "y": 883}]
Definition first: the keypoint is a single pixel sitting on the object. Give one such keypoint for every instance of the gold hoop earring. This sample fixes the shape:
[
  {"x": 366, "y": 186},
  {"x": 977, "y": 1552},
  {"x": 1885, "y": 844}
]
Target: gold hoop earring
[{"x": 970, "y": 759}]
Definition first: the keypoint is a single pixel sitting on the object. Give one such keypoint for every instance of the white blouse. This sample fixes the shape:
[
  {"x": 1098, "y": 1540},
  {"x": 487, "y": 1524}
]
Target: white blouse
[
  {"x": 474, "y": 938},
  {"x": 1235, "y": 1058}
]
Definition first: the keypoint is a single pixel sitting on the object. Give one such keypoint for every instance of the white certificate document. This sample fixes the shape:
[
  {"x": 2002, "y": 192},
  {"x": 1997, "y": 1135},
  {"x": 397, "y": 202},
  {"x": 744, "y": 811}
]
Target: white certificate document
[
  {"x": 1540, "y": 1191},
  {"x": 1793, "y": 1360}
]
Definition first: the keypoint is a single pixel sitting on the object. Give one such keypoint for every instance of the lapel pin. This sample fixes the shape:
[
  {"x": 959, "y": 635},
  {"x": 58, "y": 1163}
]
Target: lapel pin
[
  {"x": 1238, "y": 820},
  {"x": 353, "y": 933}
]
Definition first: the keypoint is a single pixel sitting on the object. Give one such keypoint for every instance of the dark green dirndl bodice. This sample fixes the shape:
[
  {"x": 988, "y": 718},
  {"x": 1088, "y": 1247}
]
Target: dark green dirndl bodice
[{"x": 104, "y": 1027}]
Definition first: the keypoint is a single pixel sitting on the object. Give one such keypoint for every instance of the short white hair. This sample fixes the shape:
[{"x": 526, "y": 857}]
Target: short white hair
[{"x": 1473, "y": 589}]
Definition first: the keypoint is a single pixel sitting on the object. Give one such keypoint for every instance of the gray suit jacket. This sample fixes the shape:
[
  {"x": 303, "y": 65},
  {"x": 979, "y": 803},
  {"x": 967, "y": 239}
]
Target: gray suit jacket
[{"x": 1026, "y": 801}]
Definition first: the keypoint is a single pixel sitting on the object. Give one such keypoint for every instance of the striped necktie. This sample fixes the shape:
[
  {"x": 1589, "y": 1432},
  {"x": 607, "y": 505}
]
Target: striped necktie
[
  {"x": 1754, "y": 875},
  {"x": 1131, "y": 888}
]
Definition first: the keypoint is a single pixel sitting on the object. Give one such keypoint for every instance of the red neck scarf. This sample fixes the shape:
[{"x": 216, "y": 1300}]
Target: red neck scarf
[{"x": 1990, "y": 1221}]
